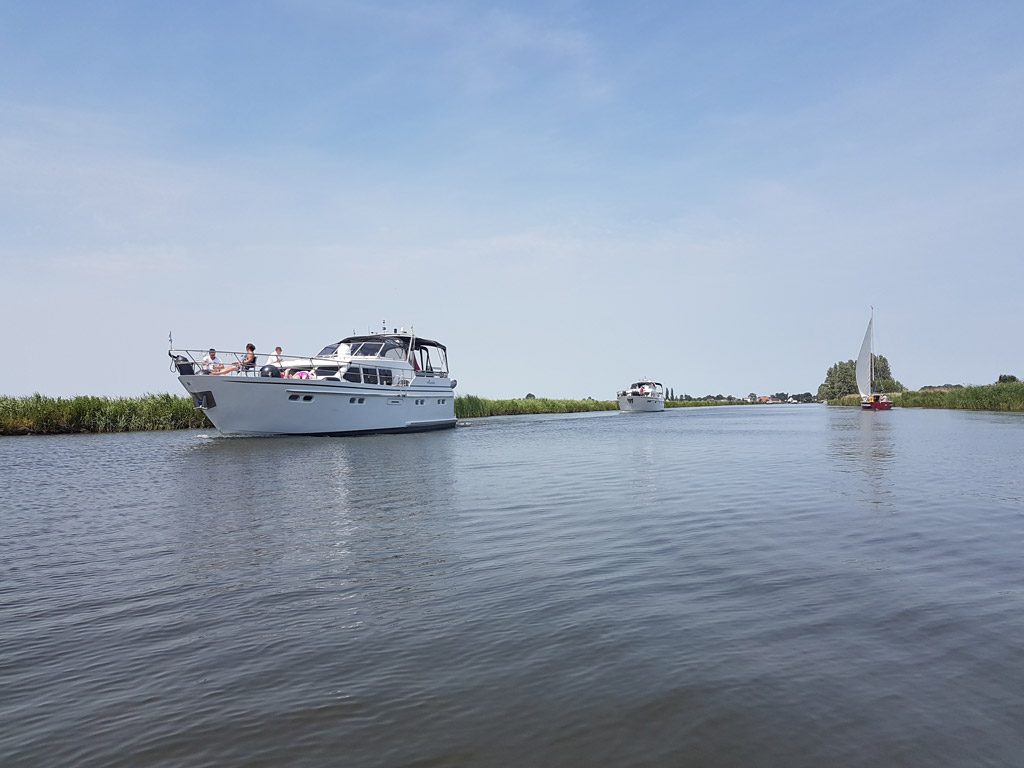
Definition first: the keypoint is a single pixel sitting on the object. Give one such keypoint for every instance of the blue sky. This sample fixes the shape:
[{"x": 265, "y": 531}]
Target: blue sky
[{"x": 569, "y": 195}]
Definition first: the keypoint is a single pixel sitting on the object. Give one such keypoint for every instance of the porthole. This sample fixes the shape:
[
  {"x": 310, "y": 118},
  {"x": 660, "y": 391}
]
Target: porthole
[
  {"x": 351, "y": 399},
  {"x": 362, "y": 399},
  {"x": 293, "y": 397},
  {"x": 306, "y": 398}
]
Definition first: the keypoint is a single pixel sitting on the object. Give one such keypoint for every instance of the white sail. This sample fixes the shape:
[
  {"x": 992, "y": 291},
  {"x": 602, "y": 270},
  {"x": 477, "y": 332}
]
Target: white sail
[{"x": 864, "y": 363}]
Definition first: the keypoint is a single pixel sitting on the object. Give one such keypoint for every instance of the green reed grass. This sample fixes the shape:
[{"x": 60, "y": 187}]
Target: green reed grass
[
  {"x": 703, "y": 403},
  {"x": 471, "y": 406},
  {"x": 39, "y": 415},
  {"x": 847, "y": 400},
  {"x": 989, "y": 397}
]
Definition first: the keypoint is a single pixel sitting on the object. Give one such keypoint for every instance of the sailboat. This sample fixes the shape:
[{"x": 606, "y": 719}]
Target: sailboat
[{"x": 869, "y": 400}]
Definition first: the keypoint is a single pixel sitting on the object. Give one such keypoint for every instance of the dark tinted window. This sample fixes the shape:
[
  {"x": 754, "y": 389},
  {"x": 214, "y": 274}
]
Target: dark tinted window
[
  {"x": 394, "y": 350},
  {"x": 352, "y": 374},
  {"x": 329, "y": 350},
  {"x": 369, "y": 375},
  {"x": 368, "y": 349},
  {"x": 384, "y": 374}
]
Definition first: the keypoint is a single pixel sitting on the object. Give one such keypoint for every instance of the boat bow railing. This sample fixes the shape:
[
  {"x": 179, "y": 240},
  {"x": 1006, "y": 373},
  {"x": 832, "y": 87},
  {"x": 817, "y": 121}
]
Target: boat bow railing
[{"x": 189, "y": 362}]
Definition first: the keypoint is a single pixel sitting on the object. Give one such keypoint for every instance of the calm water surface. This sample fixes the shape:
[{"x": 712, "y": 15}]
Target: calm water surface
[{"x": 785, "y": 586}]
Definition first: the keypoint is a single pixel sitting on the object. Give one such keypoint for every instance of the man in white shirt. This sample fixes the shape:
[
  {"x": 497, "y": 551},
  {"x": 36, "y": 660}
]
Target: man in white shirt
[
  {"x": 211, "y": 362},
  {"x": 275, "y": 359}
]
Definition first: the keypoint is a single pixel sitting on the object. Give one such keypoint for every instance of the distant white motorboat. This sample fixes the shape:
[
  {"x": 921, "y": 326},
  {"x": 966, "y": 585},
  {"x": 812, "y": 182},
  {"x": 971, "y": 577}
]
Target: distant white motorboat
[
  {"x": 644, "y": 395},
  {"x": 377, "y": 382}
]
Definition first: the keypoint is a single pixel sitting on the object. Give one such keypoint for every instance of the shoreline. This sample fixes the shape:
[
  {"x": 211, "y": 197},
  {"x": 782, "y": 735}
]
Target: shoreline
[
  {"x": 88, "y": 414},
  {"x": 1006, "y": 397}
]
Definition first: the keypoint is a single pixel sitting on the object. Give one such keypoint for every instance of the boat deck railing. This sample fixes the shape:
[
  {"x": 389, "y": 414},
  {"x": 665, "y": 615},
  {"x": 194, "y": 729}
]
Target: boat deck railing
[{"x": 190, "y": 362}]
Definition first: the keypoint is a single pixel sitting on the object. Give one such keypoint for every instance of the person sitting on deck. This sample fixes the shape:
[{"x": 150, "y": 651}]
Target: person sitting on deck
[
  {"x": 210, "y": 362},
  {"x": 247, "y": 364}
]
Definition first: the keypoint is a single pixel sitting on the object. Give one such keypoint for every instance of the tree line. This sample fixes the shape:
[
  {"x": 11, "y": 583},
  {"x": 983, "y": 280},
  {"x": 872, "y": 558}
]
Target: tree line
[{"x": 841, "y": 379}]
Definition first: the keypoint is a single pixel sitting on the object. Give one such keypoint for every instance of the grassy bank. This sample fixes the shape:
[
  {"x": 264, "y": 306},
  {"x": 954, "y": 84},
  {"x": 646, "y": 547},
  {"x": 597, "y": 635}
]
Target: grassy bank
[
  {"x": 471, "y": 406},
  {"x": 990, "y": 397},
  {"x": 847, "y": 400},
  {"x": 703, "y": 403},
  {"x": 38, "y": 415}
]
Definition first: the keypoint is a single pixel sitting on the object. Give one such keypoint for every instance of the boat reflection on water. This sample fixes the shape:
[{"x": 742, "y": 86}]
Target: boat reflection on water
[
  {"x": 337, "y": 499},
  {"x": 865, "y": 447}
]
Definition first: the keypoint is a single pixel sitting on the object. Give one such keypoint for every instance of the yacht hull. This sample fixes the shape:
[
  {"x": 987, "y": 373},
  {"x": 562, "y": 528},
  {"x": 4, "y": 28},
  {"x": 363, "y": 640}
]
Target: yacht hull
[
  {"x": 876, "y": 406},
  {"x": 241, "y": 405},
  {"x": 640, "y": 403}
]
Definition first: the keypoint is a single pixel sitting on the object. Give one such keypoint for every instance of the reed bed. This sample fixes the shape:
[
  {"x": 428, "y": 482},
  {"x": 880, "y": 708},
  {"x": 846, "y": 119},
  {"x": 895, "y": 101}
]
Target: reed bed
[
  {"x": 703, "y": 403},
  {"x": 39, "y": 415},
  {"x": 989, "y": 397},
  {"x": 471, "y": 406},
  {"x": 847, "y": 400}
]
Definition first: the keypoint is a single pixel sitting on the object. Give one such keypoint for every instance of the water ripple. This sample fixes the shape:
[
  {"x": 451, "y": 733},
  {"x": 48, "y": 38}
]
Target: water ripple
[{"x": 791, "y": 586}]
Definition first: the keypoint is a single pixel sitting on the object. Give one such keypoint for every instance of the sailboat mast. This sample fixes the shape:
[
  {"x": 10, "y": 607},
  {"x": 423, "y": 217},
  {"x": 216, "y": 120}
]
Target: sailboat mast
[{"x": 871, "y": 381}]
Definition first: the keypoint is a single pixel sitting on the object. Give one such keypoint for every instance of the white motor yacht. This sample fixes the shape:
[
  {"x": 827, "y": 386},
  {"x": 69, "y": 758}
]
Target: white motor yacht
[
  {"x": 377, "y": 382},
  {"x": 642, "y": 395}
]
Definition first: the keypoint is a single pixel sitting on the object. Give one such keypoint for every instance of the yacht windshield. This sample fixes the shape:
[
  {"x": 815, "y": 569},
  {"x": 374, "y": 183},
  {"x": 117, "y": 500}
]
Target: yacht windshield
[
  {"x": 394, "y": 349},
  {"x": 367, "y": 349},
  {"x": 329, "y": 350}
]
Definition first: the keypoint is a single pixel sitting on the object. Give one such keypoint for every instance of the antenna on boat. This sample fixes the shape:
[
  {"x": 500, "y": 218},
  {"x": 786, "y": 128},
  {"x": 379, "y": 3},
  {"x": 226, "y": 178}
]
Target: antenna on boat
[{"x": 170, "y": 339}]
